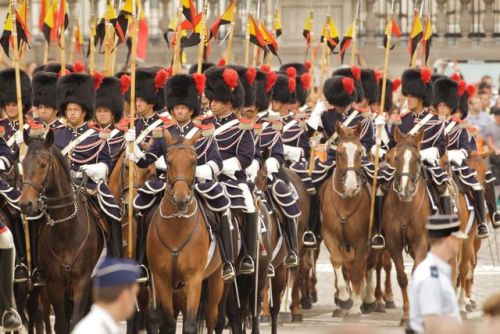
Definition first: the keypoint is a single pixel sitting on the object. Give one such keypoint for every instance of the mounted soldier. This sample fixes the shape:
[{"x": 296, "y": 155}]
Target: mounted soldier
[
  {"x": 44, "y": 99},
  {"x": 88, "y": 154},
  {"x": 183, "y": 102}
]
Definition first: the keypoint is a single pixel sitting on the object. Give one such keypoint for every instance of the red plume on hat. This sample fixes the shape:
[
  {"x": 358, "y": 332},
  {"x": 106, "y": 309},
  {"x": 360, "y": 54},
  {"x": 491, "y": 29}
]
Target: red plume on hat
[
  {"x": 270, "y": 81},
  {"x": 199, "y": 82},
  {"x": 221, "y": 62},
  {"x": 230, "y": 77},
  {"x": 471, "y": 90},
  {"x": 356, "y": 72},
  {"x": 348, "y": 85},
  {"x": 251, "y": 74},
  {"x": 306, "y": 79},
  {"x": 98, "y": 79},
  {"x": 161, "y": 78},
  {"x": 462, "y": 86},
  {"x": 291, "y": 72},
  {"x": 308, "y": 65},
  {"x": 396, "y": 83},
  {"x": 426, "y": 75},
  {"x": 78, "y": 67},
  {"x": 265, "y": 68},
  {"x": 455, "y": 77},
  {"x": 125, "y": 82}
]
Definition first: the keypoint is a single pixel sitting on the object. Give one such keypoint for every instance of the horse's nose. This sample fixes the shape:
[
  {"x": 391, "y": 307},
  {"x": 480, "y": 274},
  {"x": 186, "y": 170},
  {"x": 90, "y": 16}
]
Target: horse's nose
[
  {"x": 26, "y": 206},
  {"x": 181, "y": 201}
]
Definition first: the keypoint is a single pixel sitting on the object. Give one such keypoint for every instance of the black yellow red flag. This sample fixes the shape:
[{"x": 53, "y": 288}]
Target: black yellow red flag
[
  {"x": 122, "y": 21},
  {"x": 226, "y": 18},
  {"x": 62, "y": 18},
  {"x": 49, "y": 21},
  {"x": 346, "y": 41},
  {"x": 306, "y": 32},
  {"x": 269, "y": 39},
  {"x": 255, "y": 34},
  {"x": 331, "y": 34},
  {"x": 426, "y": 42},
  {"x": 6, "y": 40},
  {"x": 394, "y": 30},
  {"x": 416, "y": 35},
  {"x": 278, "y": 30}
]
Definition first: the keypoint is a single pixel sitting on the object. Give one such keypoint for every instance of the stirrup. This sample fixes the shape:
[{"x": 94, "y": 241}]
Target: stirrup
[
  {"x": 309, "y": 244},
  {"x": 495, "y": 220},
  {"x": 143, "y": 278},
  {"x": 378, "y": 246},
  {"x": 270, "y": 271},
  {"x": 247, "y": 271},
  {"x": 14, "y": 312},
  {"x": 483, "y": 235},
  {"x": 229, "y": 277},
  {"x": 21, "y": 280},
  {"x": 293, "y": 264},
  {"x": 33, "y": 275}
]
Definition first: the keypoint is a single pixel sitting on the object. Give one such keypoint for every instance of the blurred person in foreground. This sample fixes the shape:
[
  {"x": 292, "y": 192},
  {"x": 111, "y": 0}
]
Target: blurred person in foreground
[
  {"x": 433, "y": 301},
  {"x": 493, "y": 141},
  {"x": 491, "y": 313},
  {"x": 476, "y": 117},
  {"x": 114, "y": 294}
]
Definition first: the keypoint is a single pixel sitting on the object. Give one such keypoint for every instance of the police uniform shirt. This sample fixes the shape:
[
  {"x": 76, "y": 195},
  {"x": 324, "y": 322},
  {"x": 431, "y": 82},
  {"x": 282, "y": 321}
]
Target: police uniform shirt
[
  {"x": 431, "y": 292},
  {"x": 98, "y": 321}
]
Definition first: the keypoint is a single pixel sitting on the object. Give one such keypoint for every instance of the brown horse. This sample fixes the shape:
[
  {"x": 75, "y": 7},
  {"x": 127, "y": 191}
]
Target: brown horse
[
  {"x": 406, "y": 193},
  {"x": 178, "y": 243},
  {"x": 345, "y": 206},
  {"x": 69, "y": 239},
  {"x": 384, "y": 297}
]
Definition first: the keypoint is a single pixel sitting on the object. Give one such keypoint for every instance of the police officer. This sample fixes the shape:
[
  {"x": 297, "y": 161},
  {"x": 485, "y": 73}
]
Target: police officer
[
  {"x": 114, "y": 290},
  {"x": 432, "y": 294}
]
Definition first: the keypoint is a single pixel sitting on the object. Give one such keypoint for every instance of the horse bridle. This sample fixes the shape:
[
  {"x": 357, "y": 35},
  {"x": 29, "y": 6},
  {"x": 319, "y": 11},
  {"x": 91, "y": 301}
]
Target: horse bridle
[
  {"x": 342, "y": 175},
  {"x": 414, "y": 178}
]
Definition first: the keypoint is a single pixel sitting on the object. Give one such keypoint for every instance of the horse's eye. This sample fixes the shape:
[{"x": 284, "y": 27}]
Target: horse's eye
[{"x": 42, "y": 165}]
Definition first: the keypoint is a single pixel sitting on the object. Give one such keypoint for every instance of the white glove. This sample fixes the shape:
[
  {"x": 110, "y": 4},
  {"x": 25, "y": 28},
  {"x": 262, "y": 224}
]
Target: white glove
[
  {"x": 292, "y": 153},
  {"x": 381, "y": 151},
  {"x": 204, "y": 172},
  {"x": 272, "y": 166},
  {"x": 3, "y": 168},
  {"x": 161, "y": 164},
  {"x": 431, "y": 155},
  {"x": 130, "y": 136},
  {"x": 379, "y": 120},
  {"x": 252, "y": 170},
  {"x": 96, "y": 172},
  {"x": 18, "y": 137},
  {"x": 138, "y": 154},
  {"x": 314, "y": 120},
  {"x": 230, "y": 166},
  {"x": 457, "y": 156}
]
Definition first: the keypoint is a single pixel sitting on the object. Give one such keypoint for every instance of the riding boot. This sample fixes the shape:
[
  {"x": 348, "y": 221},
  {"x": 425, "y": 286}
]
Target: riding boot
[
  {"x": 482, "y": 229},
  {"x": 226, "y": 245},
  {"x": 140, "y": 247},
  {"x": 247, "y": 264},
  {"x": 309, "y": 237},
  {"x": 491, "y": 204},
  {"x": 21, "y": 273},
  {"x": 445, "y": 201},
  {"x": 292, "y": 258},
  {"x": 378, "y": 241},
  {"x": 115, "y": 244},
  {"x": 10, "y": 319},
  {"x": 37, "y": 276}
]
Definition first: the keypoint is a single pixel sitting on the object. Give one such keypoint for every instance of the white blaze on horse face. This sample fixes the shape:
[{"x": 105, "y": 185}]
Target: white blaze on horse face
[
  {"x": 351, "y": 184},
  {"x": 406, "y": 169}
]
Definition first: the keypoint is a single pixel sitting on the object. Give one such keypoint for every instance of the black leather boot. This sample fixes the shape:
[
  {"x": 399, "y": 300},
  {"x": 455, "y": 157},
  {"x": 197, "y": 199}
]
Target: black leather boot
[
  {"x": 21, "y": 273},
  {"x": 292, "y": 258},
  {"x": 491, "y": 204},
  {"x": 226, "y": 243},
  {"x": 445, "y": 202},
  {"x": 247, "y": 264},
  {"x": 140, "y": 248},
  {"x": 482, "y": 229},
  {"x": 378, "y": 241},
  {"x": 309, "y": 238},
  {"x": 115, "y": 244},
  {"x": 10, "y": 319},
  {"x": 37, "y": 277}
]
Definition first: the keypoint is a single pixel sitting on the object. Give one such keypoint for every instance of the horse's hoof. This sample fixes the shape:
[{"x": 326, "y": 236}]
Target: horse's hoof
[
  {"x": 345, "y": 305},
  {"x": 463, "y": 315},
  {"x": 264, "y": 319},
  {"x": 390, "y": 305},
  {"x": 352, "y": 317},
  {"x": 297, "y": 318},
  {"x": 404, "y": 322},
  {"x": 473, "y": 304},
  {"x": 338, "y": 313},
  {"x": 380, "y": 308},
  {"x": 368, "y": 308},
  {"x": 336, "y": 301},
  {"x": 314, "y": 297},
  {"x": 469, "y": 308},
  {"x": 306, "y": 303}
]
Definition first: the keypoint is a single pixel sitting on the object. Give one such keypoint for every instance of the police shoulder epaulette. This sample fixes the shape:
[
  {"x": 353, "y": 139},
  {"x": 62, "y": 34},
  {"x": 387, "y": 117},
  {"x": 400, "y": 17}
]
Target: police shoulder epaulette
[
  {"x": 203, "y": 119},
  {"x": 207, "y": 130},
  {"x": 434, "y": 272},
  {"x": 245, "y": 124}
]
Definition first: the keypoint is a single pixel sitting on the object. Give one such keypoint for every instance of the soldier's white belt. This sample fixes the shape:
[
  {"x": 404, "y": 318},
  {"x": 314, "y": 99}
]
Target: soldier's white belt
[
  {"x": 148, "y": 130},
  {"x": 226, "y": 126},
  {"x": 420, "y": 124},
  {"x": 449, "y": 127},
  {"x": 77, "y": 141},
  {"x": 346, "y": 123},
  {"x": 12, "y": 139}
]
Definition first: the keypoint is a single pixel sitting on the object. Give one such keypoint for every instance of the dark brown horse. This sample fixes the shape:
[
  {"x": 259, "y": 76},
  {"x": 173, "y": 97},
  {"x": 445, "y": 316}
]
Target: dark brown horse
[
  {"x": 70, "y": 241},
  {"x": 406, "y": 193},
  {"x": 345, "y": 206},
  {"x": 178, "y": 244}
]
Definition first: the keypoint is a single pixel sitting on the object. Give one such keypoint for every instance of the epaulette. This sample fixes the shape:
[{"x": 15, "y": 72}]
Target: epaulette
[
  {"x": 104, "y": 134},
  {"x": 461, "y": 123},
  {"x": 37, "y": 130},
  {"x": 257, "y": 129},
  {"x": 434, "y": 272},
  {"x": 207, "y": 130},
  {"x": 395, "y": 120},
  {"x": 245, "y": 124},
  {"x": 271, "y": 117},
  {"x": 123, "y": 124},
  {"x": 203, "y": 119},
  {"x": 2, "y": 131},
  {"x": 167, "y": 123},
  {"x": 365, "y": 112},
  {"x": 277, "y": 125},
  {"x": 300, "y": 115}
]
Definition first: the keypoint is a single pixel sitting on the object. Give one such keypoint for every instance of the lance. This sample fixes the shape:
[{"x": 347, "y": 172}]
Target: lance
[
  {"x": 22, "y": 146},
  {"x": 354, "y": 34},
  {"x": 108, "y": 40},
  {"x": 73, "y": 42},
  {"x": 378, "y": 131},
  {"x": 133, "y": 60},
  {"x": 203, "y": 37},
  {"x": 255, "y": 47},
  {"x": 231, "y": 35},
  {"x": 177, "y": 46},
  {"x": 247, "y": 43},
  {"x": 92, "y": 38},
  {"x": 62, "y": 39}
]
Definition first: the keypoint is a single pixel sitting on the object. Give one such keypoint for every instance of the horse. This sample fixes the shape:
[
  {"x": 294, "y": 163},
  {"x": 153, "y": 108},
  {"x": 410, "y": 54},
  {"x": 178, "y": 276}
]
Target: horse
[
  {"x": 345, "y": 207},
  {"x": 178, "y": 242},
  {"x": 406, "y": 193},
  {"x": 69, "y": 236},
  {"x": 384, "y": 297}
]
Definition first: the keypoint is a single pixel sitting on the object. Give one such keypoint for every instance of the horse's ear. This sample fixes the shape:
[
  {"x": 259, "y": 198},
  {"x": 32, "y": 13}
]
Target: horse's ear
[
  {"x": 168, "y": 136},
  {"x": 27, "y": 138},
  {"x": 397, "y": 134},
  {"x": 49, "y": 139},
  {"x": 193, "y": 139},
  {"x": 339, "y": 129}
]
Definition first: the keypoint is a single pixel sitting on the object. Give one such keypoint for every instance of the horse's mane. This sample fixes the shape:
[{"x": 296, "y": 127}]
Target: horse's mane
[{"x": 37, "y": 145}]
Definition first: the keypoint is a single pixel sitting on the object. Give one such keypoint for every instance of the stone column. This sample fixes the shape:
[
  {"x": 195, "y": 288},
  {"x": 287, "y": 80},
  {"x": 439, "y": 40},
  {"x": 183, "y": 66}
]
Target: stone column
[
  {"x": 165, "y": 17},
  {"x": 465, "y": 18},
  {"x": 212, "y": 10},
  {"x": 442, "y": 19},
  {"x": 370, "y": 21},
  {"x": 489, "y": 19}
]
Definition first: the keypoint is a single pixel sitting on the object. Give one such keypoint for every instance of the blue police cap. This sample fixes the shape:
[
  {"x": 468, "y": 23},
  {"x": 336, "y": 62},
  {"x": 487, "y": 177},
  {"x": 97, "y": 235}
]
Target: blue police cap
[
  {"x": 116, "y": 272},
  {"x": 441, "y": 226}
]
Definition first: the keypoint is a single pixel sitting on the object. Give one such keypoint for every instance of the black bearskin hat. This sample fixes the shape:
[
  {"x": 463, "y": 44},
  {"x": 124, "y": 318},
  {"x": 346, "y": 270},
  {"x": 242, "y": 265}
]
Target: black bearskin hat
[
  {"x": 354, "y": 73},
  {"x": 300, "y": 67},
  {"x": 56, "y": 67},
  {"x": 371, "y": 89},
  {"x": 247, "y": 78},
  {"x": 8, "y": 88},
  {"x": 150, "y": 85},
  {"x": 262, "y": 96},
  {"x": 119, "y": 75},
  {"x": 282, "y": 91},
  {"x": 109, "y": 95},
  {"x": 44, "y": 89},
  {"x": 76, "y": 88},
  {"x": 391, "y": 86},
  {"x": 445, "y": 90},
  {"x": 340, "y": 90},
  {"x": 181, "y": 90},
  {"x": 223, "y": 84},
  {"x": 204, "y": 67},
  {"x": 417, "y": 83}
]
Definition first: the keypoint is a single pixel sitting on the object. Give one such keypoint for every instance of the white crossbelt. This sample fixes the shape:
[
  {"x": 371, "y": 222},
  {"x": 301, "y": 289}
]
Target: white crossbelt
[
  {"x": 148, "y": 130},
  {"x": 77, "y": 141},
  {"x": 12, "y": 139},
  {"x": 191, "y": 133},
  {"x": 346, "y": 123},
  {"x": 420, "y": 124},
  {"x": 114, "y": 133},
  {"x": 226, "y": 126},
  {"x": 289, "y": 125},
  {"x": 450, "y": 127}
]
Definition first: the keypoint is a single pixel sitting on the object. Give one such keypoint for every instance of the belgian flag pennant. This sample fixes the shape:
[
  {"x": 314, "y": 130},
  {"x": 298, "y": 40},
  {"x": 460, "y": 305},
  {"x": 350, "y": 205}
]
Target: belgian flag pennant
[
  {"x": 346, "y": 41},
  {"x": 44, "y": 5},
  {"x": 269, "y": 39},
  {"x": 415, "y": 36},
  {"x": 306, "y": 32},
  {"x": 49, "y": 21},
  {"x": 394, "y": 30},
  {"x": 195, "y": 37},
  {"x": 110, "y": 16},
  {"x": 6, "y": 40},
  {"x": 255, "y": 34},
  {"x": 331, "y": 34},
  {"x": 189, "y": 11},
  {"x": 122, "y": 21},
  {"x": 61, "y": 19},
  {"x": 277, "y": 23},
  {"x": 226, "y": 18},
  {"x": 426, "y": 43},
  {"x": 78, "y": 41}
]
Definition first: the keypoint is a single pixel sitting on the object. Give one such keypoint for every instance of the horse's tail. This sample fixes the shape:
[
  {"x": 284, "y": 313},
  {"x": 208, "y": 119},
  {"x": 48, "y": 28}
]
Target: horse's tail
[{"x": 202, "y": 307}]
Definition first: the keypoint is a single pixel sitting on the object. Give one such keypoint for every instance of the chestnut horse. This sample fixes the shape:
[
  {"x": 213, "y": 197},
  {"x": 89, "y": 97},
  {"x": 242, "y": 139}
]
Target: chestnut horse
[
  {"x": 406, "y": 193},
  {"x": 70, "y": 240},
  {"x": 178, "y": 244},
  {"x": 345, "y": 207}
]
